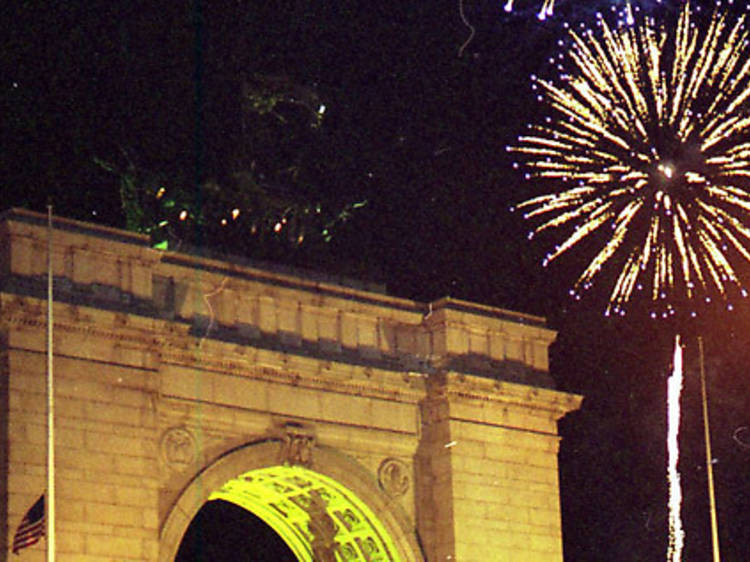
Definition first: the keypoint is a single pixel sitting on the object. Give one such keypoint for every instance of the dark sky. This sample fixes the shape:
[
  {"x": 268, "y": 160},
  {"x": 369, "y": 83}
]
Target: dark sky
[{"x": 419, "y": 132}]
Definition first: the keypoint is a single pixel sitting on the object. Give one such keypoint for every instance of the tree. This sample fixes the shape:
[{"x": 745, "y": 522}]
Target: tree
[{"x": 268, "y": 199}]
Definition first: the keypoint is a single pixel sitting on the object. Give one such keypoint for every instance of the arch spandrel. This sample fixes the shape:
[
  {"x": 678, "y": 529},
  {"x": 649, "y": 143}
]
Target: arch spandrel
[{"x": 342, "y": 481}]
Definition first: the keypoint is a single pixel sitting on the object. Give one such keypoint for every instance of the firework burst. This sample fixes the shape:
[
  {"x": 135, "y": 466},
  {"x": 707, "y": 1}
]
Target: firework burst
[{"x": 648, "y": 150}]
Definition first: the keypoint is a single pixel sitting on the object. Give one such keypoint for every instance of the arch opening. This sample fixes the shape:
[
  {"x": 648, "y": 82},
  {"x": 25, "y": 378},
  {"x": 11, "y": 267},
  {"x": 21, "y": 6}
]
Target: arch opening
[
  {"x": 318, "y": 518},
  {"x": 222, "y": 531}
]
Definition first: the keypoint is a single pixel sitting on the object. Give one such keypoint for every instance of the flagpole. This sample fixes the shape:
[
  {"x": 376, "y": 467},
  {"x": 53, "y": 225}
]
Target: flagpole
[
  {"x": 50, "y": 499},
  {"x": 709, "y": 459}
]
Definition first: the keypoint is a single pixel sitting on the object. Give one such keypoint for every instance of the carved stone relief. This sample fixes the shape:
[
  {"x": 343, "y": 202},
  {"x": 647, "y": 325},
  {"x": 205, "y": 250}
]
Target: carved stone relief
[
  {"x": 393, "y": 477},
  {"x": 178, "y": 448},
  {"x": 297, "y": 445}
]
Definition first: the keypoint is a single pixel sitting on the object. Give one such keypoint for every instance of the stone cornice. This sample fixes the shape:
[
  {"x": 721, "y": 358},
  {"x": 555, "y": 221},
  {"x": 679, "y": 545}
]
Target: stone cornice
[
  {"x": 30, "y": 313},
  {"x": 461, "y": 387}
]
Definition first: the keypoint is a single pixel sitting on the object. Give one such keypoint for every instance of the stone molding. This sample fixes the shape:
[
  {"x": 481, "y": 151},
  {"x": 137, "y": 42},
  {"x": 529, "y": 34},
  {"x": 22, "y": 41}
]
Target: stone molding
[
  {"x": 77, "y": 319},
  {"x": 461, "y": 387},
  {"x": 274, "y": 366}
]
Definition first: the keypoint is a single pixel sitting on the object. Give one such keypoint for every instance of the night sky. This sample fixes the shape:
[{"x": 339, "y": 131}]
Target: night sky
[{"x": 419, "y": 133}]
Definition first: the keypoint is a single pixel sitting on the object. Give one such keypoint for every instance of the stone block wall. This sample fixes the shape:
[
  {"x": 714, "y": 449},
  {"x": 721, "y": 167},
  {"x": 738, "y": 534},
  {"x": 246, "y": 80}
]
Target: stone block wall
[{"x": 105, "y": 433}]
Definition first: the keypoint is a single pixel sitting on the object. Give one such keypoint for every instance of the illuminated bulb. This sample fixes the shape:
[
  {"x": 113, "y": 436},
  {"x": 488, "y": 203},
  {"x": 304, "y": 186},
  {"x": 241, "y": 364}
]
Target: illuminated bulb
[
  {"x": 223, "y": 222},
  {"x": 277, "y": 227},
  {"x": 235, "y": 213},
  {"x": 160, "y": 193},
  {"x": 183, "y": 215}
]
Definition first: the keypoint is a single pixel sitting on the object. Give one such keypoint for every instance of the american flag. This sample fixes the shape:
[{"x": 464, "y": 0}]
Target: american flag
[{"x": 31, "y": 528}]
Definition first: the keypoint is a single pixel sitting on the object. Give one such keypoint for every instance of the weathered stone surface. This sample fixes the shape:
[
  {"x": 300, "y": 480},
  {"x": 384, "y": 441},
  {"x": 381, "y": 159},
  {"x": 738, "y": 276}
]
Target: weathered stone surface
[{"x": 440, "y": 417}]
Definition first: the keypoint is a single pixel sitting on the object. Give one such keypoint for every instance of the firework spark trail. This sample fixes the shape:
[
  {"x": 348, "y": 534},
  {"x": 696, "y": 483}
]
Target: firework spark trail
[
  {"x": 547, "y": 9},
  {"x": 648, "y": 149},
  {"x": 674, "y": 389}
]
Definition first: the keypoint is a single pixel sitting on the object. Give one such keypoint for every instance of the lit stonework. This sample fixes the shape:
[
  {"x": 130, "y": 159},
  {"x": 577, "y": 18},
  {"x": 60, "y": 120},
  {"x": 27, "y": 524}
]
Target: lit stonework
[{"x": 178, "y": 374}]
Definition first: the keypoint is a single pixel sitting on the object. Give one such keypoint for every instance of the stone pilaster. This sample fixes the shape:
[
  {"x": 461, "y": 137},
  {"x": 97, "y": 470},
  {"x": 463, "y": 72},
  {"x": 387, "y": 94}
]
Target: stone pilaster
[{"x": 488, "y": 475}]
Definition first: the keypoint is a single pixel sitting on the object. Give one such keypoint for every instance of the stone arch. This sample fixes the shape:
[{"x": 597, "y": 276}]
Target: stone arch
[{"x": 328, "y": 463}]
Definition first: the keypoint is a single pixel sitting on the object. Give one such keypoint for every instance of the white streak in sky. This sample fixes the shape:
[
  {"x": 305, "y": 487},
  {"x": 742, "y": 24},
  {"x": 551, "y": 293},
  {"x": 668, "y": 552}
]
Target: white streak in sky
[{"x": 674, "y": 390}]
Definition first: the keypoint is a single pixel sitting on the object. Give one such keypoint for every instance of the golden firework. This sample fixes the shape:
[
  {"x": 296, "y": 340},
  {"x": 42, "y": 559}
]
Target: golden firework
[{"x": 649, "y": 147}]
